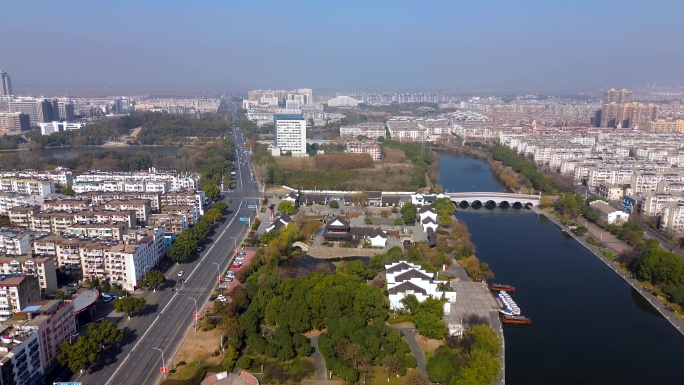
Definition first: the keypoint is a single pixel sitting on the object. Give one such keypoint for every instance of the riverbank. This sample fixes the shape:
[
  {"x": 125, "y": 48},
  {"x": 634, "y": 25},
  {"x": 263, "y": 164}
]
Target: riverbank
[{"x": 665, "y": 311}]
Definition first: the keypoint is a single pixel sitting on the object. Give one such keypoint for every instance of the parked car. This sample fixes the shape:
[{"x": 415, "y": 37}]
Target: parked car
[
  {"x": 72, "y": 284},
  {"x": 222, "y": 286},
  {"x": 230, "y": 274},
  {"x": 108, "y": 299},
  {"x": 180, "y": 273},
  {"x": 234, "y": 266},
  {"x": 227, "y": 279},
  {"x": 199, "y": 248},
  {"x": 241, "y": 253}
]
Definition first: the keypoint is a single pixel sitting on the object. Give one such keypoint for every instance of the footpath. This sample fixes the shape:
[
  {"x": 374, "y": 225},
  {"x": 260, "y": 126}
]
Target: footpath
[{"x": 617, "y": 246}]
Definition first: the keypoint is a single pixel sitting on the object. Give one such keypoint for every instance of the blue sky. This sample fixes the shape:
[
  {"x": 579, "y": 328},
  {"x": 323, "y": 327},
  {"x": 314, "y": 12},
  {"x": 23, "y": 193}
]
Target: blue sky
[{"x": 399, "y": 45}]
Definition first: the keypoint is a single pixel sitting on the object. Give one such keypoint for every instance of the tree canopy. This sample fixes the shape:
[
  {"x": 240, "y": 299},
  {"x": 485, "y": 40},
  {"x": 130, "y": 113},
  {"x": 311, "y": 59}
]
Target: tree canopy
[
  {"x": 130, "y": 305},
  {"x": 287, "y": 207},
  {"x": 84, "y": 351}
]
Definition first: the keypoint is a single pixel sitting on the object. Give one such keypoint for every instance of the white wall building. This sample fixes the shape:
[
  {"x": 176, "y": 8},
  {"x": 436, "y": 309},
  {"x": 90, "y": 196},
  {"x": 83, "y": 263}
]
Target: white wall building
[
  {"x": 290, "y": 131},
  {"x": 404, "y": 278},
  {"x": 343, "y": 101},
  {"x": 52, "y": 127},
  {"x": 609, "y": 214}
]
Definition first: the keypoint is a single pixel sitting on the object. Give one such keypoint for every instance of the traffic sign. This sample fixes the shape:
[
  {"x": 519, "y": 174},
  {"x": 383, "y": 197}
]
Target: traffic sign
[
  {"x": 251, "y": 206},
  {"x": 218, "y": 278},
  {"x": 197, "y": 315},
  {"x": 243, "y": 219},
  {"x": 164, "y": 369}
]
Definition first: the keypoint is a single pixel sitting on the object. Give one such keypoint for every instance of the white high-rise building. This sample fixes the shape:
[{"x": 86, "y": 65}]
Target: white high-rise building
[
  {"x": 5, "y": 84},
  {"x": 290, "y": 131}
]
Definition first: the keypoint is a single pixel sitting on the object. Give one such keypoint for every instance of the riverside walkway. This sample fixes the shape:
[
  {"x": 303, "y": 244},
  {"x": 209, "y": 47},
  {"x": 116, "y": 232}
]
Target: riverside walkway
[{"x": 617, "y": 246}]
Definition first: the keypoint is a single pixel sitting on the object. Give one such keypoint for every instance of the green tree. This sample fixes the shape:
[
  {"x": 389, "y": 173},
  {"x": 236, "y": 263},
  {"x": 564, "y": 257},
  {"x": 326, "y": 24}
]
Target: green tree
[
  {"x": 79, "y": 355},
  {"x": 445, "y": 209},
  {"x": 334, "y": 204},
  {"x": 409, "y": 212},
  {"x": 153, "y": 278},
  {"x": 368, "y": 220},
  {"x": 391, "y": 365},
  {"x": 229, "y": 358},
  {"x": 130, "y": 305},
  {"x": 244, "y": 362},
  {"x": 59, "y": 294},
  {"x": 485, "y": 338},
  {"x": 441, "y": 368},
  {"x": 287, "y": 207},
  {"x": 105, "y": 333}
]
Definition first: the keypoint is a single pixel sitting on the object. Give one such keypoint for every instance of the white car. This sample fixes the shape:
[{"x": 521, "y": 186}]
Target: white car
[
  {"x": 180, "y": 273},
  {"x": 223, "y": 286}
]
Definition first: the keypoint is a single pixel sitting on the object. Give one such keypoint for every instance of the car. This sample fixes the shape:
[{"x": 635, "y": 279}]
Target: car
[
  {"x": 72, "y": 284},
  {"x": 182, "y": 281},
  {"x": 222, "y": 286},
  {"x": 230, "y": 273},
  {"x": 234, "y": 266},
  {"x": 108, "y": 299},
  {"x": 227, "y": 279},
  {"x": 241, "y": 253},
  {"x": 199, "y": 248},
  {"x": 180, "y": 273}
]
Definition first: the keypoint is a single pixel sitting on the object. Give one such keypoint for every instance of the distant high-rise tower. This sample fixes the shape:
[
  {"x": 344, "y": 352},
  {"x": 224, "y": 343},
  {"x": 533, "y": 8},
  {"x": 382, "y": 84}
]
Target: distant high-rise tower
[
  {"x": 290, "y": 131},
  {"x": 5, "y": 84},
  {"x": 618, "y": 110}
]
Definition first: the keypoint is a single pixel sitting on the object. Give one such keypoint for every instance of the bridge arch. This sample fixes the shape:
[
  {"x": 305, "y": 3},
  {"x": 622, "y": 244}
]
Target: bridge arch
[{"x": 301, "y": 246}]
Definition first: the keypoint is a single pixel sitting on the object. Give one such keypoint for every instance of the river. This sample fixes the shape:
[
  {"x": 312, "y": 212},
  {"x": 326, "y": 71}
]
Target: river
[{"x": 588, "y": 325}]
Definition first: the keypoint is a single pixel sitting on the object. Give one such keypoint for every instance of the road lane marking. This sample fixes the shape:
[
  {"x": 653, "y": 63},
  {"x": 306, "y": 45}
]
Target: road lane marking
[{"x": 154, "y": 322}]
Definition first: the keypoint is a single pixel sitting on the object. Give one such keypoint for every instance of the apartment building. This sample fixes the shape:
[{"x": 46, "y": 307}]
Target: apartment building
[
  {"x": 8, "y": 200},
  {"x": 20, "y": 216},
  {"x": 16, "y": 293},
  {"x": 68, "y": 205},
  {"x": 53, "y": 321},
  {"x": 42, "y": 267},
  {"x": 364, "y": 147},
  {"x": 21, "y": 361},
  {"x": 12, "y": 123},
  {"x": 47, "y": 222},
  {"x": 129, "y": 186},
  {"x": 672, "y": 219},
  {"x": 127, "y": 262},
  {"x": 28, "y": 186},
  {"x": 188, "y": 211},
  {"x": 99, "y": 198},
  {"x": 186, "y": 197},
  {"x": 652, "y": 203},
  {"x": 60, "y": 175},
  {"x": 66, "y": 250},
  {"x": 177, "y": 181},
  {"x": 610, "y": 192},
  {"x": 14, "y": 241},
  {"x": 369, "y": 130},
  {"x": 105, "y": 230},
  {"x": 175, "y": 223},
  {"x": 141, "y": 207}
]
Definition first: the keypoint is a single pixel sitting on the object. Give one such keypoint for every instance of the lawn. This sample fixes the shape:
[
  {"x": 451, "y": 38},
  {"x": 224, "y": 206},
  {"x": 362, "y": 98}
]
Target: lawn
[{"x": 380, "y": 377}]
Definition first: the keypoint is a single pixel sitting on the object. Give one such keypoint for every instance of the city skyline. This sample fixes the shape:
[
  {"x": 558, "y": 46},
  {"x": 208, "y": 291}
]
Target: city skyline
[{"x": 504, "y": 46}]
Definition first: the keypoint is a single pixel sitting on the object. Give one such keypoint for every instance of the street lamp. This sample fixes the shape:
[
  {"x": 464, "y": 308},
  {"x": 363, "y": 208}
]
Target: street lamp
[
  {"x": 164, "y": 368},
  {"x": 234, "y": 244},
  {"x": 218, "y": 270},
  {"x": 196, "y": 315}
]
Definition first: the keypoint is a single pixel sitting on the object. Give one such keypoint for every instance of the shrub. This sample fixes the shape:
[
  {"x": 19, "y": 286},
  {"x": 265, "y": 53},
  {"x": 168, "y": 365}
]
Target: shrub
[{"x": 244, "y": 362}]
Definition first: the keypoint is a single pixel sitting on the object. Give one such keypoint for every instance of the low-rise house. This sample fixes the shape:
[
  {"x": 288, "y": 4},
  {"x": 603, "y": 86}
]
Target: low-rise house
[
  {"x": 279, "y": 221},
  {"x": 427, "y": 212},
  {"x": 378, "y": 238},
  {"x": 429, "y": 223},
  {"x": 404, "y": 279},
  {"x": 609, "y": 214},
  {"x": 425, "y": 199}
]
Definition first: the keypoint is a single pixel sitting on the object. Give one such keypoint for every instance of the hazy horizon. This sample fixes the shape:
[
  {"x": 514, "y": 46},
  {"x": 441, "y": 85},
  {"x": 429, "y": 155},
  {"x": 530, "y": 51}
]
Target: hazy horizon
[{"x": 501, "y": 46}]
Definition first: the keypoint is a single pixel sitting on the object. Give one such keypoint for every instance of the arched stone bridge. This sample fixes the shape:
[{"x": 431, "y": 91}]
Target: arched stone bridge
[{"x": 493, "y": 198}]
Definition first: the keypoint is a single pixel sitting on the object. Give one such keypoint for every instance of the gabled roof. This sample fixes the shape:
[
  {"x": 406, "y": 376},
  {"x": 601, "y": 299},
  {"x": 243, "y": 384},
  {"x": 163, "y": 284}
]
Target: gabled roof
[
  {"x": 413, "y": 273},
  {"x": 428, "y": 220},
  {"x": 405, "y": 286},
  {"x": 391, "y": 199},
  {"x": 338, "y": 223},
  {"x": 424, "y": 209},
  {"x": 377, "y": 232},
  {"x": 374, "y": 194},
  {"x": 399, "y": 267}
]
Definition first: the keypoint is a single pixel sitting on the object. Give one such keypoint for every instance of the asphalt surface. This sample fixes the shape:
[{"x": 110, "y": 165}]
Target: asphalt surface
[{"x": 169, "y": 314}]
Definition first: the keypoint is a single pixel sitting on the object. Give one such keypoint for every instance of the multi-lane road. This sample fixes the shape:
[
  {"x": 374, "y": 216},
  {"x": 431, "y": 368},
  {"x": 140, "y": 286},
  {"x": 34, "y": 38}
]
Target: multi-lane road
[{"x": 164, "y": 327}]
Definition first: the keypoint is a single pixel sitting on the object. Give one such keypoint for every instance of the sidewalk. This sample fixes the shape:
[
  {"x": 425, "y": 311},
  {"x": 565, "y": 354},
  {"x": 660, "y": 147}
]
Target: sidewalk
[{"x": 617, "y": 246}]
